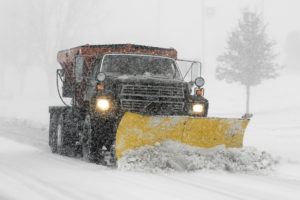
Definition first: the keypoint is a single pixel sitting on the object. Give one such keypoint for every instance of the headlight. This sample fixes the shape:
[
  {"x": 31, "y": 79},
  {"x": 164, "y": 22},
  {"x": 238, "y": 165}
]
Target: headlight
[
  {"x": 198, "y": 108},
  {"x": 103, "y": 104}
]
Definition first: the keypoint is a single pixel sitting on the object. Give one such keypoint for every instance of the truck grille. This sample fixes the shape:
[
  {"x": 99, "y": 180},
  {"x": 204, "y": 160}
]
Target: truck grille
[
  {"x": 157, "y": 91},
  {"x": 139, "y": 105},
  {"x": 142, "y": 97}
]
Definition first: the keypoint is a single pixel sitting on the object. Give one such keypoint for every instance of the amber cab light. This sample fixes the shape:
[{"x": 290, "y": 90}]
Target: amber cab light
[
  {"x": 200, "y": 92},
  {"x": 100, "y": 87}
]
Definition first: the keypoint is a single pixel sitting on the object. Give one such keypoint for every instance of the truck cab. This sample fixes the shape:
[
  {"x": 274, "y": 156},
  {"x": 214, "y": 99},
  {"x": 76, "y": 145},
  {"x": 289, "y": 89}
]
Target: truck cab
[{"x": 143, "y": 83}]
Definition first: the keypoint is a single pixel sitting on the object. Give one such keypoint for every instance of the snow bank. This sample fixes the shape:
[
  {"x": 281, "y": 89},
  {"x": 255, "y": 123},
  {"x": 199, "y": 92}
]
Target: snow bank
[{"x": 169, "y": 156}]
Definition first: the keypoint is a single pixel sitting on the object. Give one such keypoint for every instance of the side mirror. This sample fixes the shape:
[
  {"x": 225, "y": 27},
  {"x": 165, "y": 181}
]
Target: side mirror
[
  {"x": 101, "y": 76},
  {"x": 79, "y": 61},
  {"x": 199, "y": 81}
]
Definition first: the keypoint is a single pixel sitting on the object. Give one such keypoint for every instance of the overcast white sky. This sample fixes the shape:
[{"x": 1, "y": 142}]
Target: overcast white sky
[
  {"x": 167, "y": 22},
  {"x": 197, "y": 29}
]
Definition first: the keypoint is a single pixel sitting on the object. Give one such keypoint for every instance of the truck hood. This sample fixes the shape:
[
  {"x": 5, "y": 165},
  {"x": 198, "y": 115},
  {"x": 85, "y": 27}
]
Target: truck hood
[{"x": 139, "y": 79}]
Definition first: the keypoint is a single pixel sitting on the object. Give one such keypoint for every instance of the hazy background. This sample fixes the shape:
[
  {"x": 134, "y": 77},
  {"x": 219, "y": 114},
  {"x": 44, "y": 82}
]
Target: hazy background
[{"x": 32, "y": 31}]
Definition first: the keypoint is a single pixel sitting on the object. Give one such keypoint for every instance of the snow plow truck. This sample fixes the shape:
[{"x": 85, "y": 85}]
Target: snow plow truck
[{"x": 125, "y": 96}]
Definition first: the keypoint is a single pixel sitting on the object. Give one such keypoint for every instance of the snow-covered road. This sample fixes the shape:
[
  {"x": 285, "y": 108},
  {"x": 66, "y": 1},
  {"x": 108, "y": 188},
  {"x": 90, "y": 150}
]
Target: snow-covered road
[{"x": 29, "y": 171}]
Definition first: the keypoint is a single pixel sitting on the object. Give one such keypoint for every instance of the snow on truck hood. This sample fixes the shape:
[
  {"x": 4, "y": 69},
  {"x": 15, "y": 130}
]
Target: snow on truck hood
[
  {"x": 147, "y": 78},
  {"x": 169, "y": 156}
]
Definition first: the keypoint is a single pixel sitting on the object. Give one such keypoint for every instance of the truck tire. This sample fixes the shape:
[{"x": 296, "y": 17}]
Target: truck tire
[
  {"x": 97, "y": 139},
  {"x": 89, "y": 143},
  {"x": 60, "y": 135},
  {"x": 63, "y": 132},
  {"x": 52, "y": 132},
  {"x": 57, "y": 133}
]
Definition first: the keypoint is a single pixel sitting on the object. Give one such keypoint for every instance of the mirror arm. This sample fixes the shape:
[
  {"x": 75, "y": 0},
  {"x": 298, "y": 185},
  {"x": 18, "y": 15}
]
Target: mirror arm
[
  {"x": 192, "y": 62},
  {"x": 200, "y": 66},
  {"x": 187, "y": 73}
]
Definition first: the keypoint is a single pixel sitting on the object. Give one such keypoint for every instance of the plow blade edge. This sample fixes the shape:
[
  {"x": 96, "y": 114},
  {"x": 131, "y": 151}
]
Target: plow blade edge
[{"x": 137, "y": 130}]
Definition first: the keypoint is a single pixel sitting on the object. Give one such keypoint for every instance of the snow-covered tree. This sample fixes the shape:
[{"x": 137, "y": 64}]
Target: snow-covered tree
[{"x": 249, "y": 56}]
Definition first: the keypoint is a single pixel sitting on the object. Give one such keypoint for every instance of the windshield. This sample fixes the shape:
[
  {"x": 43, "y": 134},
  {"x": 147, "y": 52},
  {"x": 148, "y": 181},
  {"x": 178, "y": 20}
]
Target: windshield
[{"x": 156, "y": 66}]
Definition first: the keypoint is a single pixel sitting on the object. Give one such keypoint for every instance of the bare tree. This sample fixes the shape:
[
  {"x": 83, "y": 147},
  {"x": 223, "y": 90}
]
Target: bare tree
[
  {"x": 51, "y": 25},
  {"x": 249, "y": 56}
]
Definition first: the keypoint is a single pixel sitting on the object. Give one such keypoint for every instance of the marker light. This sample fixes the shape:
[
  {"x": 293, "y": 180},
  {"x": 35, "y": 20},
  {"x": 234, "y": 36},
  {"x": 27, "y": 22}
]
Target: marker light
[
  {"x": 200, "y": 92},
  {"x": 100, "y": 87}
]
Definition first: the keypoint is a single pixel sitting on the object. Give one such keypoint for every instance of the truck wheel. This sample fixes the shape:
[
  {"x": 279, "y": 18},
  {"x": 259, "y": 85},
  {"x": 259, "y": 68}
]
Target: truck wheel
[
  {"x": 89, "y": 147},
  {"x": 52, "y": 132},
  {"x": 60, "y": 133}
]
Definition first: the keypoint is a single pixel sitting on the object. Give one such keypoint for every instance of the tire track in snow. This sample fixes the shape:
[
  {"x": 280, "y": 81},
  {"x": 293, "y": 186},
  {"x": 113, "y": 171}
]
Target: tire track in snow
[
  {"x": 179, "y": 189},
  {"x": 255, "y": 187},
  {"x": 35, "y": 189},
  {"x": 221, "y": 191},
  {"x": 41, "y": 184},
  {"x": 21, "y": 168},
  {"x": 38, "y": 186}
]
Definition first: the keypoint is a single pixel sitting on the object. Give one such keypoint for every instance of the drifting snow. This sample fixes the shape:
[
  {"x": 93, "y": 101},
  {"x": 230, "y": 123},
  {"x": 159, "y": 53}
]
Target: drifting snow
[{"x": 169, "y": 156}]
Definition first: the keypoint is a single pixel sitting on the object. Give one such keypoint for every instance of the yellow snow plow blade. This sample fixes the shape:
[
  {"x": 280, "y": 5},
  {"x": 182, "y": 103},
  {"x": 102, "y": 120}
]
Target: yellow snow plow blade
[{"x": 137, "y": 130}]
